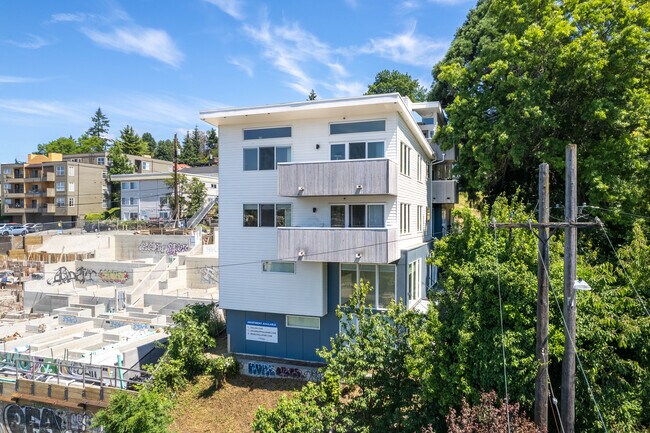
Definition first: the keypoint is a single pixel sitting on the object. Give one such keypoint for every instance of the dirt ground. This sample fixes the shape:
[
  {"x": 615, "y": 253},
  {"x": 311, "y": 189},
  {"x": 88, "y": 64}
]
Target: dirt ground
[{"x": 201, "y": 409}]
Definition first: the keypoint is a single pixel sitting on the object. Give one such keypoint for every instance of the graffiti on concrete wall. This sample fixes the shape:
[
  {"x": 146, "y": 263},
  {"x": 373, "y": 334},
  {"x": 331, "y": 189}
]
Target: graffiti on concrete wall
[
  {"x": 31, "y": 365},
  {"x": 113, "y": 276},
  {"x": 63, "y": 276},
  {"x": 209, "y": 274},
  {"x": 170, "y": 248},
  {"x": 264, "y": 369},
  {"x": 31, "y": 419}
]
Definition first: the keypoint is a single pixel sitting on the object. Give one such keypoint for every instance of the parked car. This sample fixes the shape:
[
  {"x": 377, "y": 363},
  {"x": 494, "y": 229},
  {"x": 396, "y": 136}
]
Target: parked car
[
  {"x": 9, "y": 228},
  {"x": 34, "y": 227},
  {"x": 7, "y": 277},
  {"x": 18, "y": 230}
]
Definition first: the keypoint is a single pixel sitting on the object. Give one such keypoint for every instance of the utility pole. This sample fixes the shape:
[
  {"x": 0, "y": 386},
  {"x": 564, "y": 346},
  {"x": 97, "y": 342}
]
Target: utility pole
[
  {"x": 567, "y": 404},
  {"x": 570, "y": 225},
  {"x": 541, "y": 347},
  {"x": 176, "y": 203}
]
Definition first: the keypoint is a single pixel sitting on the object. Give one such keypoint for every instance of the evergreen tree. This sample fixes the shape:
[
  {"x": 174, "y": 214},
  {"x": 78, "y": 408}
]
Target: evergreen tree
[
  {"x": 90, "y": 143},
  {"x": 191, "y": 151},
  {"x": 149, "y": 141},
  {"x": 130, "y": 143},
  {"x": 212, "y": 143},
  {"x": 312, "y": 95},
  {"x": 164, "y": 150},
  {"x": 100, "y": 127}
]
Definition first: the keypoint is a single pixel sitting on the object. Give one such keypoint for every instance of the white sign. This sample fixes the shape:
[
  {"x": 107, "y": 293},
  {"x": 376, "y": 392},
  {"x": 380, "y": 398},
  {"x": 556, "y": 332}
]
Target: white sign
[{"x": 266, "y": 332}]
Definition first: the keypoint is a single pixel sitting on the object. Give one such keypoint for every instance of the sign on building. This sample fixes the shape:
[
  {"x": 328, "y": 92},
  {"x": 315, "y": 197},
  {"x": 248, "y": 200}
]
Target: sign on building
[{"x": 266, "y": 332}]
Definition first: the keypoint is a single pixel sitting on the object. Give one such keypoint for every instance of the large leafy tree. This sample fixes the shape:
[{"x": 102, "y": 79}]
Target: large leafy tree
[
  {"x": 63, "y": 145},
  {"x": 131, "y": 143},
  {"x": 522, "y": 79},
  {"x": 394, "y": 81},
  {"x": 150, "y": 142},
  {"x": 164, "y": 150}
]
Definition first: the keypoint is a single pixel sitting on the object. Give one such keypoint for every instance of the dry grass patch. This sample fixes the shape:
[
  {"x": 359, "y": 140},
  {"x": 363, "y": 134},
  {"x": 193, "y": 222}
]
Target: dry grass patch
[{"x": 230, "y": 409}]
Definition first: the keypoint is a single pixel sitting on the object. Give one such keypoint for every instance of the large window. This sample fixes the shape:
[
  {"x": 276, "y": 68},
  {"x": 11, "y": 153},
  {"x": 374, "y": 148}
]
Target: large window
[
  {"x": 380, "y": 277},
  {"x": 71, "y": 187},
  {"x": 405, "y": 159},
  {"x": 261, "y": 133},
  {"x": 60, "y": 202},
  {"x": 414, "y": 280},
  {"x": 70, "y": 171},
  {"x": 303, "y": 322},
  {"x": 130, "y": 185},
  {"x": 353, "y": 127},
  {"x": 101, "y": 160},
  {"x": 60, "y": 186},
  {"x": 60, "y": 170},
  {"x": 405, "y": 218},
  {"x": 357, "y": 215},
  {"x": 265, "y": 158},
  {"x": 357, "y": 150},
  {"x": 279, "y": 266},
  {"x": 267, "y": 215}
]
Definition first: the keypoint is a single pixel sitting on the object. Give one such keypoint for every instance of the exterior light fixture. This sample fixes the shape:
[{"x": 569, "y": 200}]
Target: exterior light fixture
[
  {"x": 581, "y": 284},
  {"x": 357, "y": 256},
  {"x": 301, "y": 188},
  {"x": 359, "y": 186}
]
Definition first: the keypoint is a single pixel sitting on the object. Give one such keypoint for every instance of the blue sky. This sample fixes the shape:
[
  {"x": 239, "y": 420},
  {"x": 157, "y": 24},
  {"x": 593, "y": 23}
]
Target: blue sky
[{"x": 154, "y": 64}]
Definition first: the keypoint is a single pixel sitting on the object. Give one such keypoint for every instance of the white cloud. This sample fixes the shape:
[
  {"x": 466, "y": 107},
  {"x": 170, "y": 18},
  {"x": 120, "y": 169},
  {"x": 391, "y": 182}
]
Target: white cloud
[
  {"x": 352, "y": 3},
  {"x": 146, "y": 42},
  {"x": 341, "y": 88},
  {"x": 408, "y": 48},
  {"x": 69, "y": 17},
  {"x": 48, "y": 109},
  {"x": 243, "y": 63},
  {"x": 33, "y": 43},
  {"x": 231, "y": 7},
  {"x": 7, "y": 79}
]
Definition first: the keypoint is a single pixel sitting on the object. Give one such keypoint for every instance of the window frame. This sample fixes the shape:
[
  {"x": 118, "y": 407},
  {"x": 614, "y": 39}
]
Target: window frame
[
  {"x": 59, "y": 170},
  {"x": 270, "y": 264},
  {"x": 366, "y": 146},
  {"x": 312, "y": 328},
  {"x": 404, "y": 218},
  {"x": 357, "y": 122},
  {"x": 347, "y": 217},
  {"x": 258, "y": 161},
  {"x": 59, "y": 186},
  {"x": 377, "y": 279},
  {"x": 258, "y": 214},
  {"x": 71, "y": 202},
  {"x": 405, "y": 159},
  {"x": 268, "y": 128}
]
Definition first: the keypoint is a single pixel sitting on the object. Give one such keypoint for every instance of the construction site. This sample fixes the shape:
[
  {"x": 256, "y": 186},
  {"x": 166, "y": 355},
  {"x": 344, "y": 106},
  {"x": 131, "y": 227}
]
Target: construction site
[{"x": 81, "y": 314}]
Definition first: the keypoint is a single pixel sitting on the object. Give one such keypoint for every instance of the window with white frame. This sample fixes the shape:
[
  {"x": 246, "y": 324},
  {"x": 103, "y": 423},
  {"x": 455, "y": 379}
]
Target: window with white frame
[
  {"x": 357, "y": 215},
  {"x": 381, "y": 279},
  {"x": 125, "y": 185},
  {"x": 419, "y": 171},
  {"x": 60, "y": 186},
  {"x": 71, "y": 202},
  {"x": 267, "y": 215},
  {"x": 420, "y": 217},
  {"x": 146, "y": 165},
  {"x": 213, "y": 185},
  {"x": 71, "y": 187},
  {"x": 70, "y": 171},
  {"x": 357, "y": 150},
  {"x": 264, "y": 133},
  {"x": 278, "y": 266},
  {"x": 405, "y": 218},
  {"x": 359, "y": 126},
  {"x": 303, "y": 322},
  {"x": 6, "y": 171},
  {"x": 60, "y": 170},
  {"x": 60, "y": 202},
  {"x": 101, "y": 160},
  {"x": 265, "y": 158},
  {"x": 414, "y": 290},
  {"x": 405, "y": 159}
]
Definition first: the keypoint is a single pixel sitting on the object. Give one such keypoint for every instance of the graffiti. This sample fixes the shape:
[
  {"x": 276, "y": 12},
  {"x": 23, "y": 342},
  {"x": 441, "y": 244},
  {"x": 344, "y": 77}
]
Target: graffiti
[
  {"x": 19, "y": 419},
  {"x": 63, "y": 276},
  {"x": 281, "y": 371},
  {"x": 170, "y": 249},
  {"x": 112, "y": 276},
  {"x": 69, "y": 320},
  {"x": 136, "y": 326},
  {"x": 209, "y": 275},
  {"x": 30, "y": 419}
]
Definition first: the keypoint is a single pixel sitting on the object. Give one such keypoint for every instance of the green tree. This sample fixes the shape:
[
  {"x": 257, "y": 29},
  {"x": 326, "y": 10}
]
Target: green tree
[
  {"x": 131, "y": 143},
  {"x": 524, "y": 79},
  {"x": 312, "y": 95},
  {"x": 91, "y": 143},
  {"x": 164, "y": 150},
  {"x": 196, "y": 195},
  {"x": 212, "y": 143},
  {"x": 191, "y": 150},
  {"x": 394, "y": 81},
  {"x": 119, "y": 164},
  {"x": 146, "y": 412},
  {"x": 149, "y": 142},
  {"x": 99, "y": 128},
  {"x": 60, "y": 145}
]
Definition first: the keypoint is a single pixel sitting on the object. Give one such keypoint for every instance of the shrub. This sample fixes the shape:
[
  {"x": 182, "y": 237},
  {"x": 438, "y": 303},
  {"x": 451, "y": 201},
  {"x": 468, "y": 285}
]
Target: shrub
[{"x": 222, "y": 368}]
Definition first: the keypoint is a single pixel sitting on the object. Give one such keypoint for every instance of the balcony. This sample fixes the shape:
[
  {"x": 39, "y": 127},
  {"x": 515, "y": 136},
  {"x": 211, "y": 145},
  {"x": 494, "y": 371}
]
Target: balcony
[
  {"x": 33, "y": 209},
  {"x": 9, "y": 178},
  {"x": 329, "y": 244},
  {"x": 14, "y": 194},
  {"x": 34, "y": 193},
  {"x": 336, "y": 178},
  {"x": 48, "y": 177},
  {"x": 444, "y": 191},
  {"x": 49, "y": 208},
  {"x": 49, "y": 192},
  {"x": 12, "y": 210}
]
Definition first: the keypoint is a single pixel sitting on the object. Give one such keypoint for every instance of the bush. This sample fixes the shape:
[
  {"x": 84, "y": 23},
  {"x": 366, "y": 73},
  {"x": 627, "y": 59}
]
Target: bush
[
  {"x": 146, "y": 412},
  {"x": 222, "y": 368}
]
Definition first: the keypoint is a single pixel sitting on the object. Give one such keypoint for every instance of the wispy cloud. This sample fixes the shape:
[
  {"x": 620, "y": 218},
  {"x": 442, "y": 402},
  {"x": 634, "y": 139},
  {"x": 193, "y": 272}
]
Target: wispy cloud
[
  {"x": 408, "y": 48},
  {"x": 243, "y": 63},
  {"x": 146, "y": 42},
  {"x": 342, "y": 88},
  {"x": 33, "y": 43},
  {"x": 47, "y": 109},
  {"x": 77, "y": 17},
  {"x": 352, "y": 3},
  {"x": 234, "y": 8},
  {"x": 7, "y": 79}
]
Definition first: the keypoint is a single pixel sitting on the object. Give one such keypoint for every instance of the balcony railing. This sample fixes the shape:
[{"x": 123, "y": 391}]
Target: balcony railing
[
  {"x": 330, "y": 244},
  {"x": 444, "y": 191},
  {"x": 48, "y": 177},
  {"x": 336, "y": 178}
]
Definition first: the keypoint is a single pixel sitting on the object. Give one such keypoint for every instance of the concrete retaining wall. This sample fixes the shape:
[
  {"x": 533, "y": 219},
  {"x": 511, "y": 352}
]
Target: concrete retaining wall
[{"x": 134, "y": 247}]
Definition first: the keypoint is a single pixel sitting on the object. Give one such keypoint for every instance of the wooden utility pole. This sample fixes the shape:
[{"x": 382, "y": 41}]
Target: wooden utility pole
[
  {"x": 570, "y": 225},
  {"x": 541, "y": 347},
  {"x": 176, "y": 202},
  {"x": 567, "y": 405}
]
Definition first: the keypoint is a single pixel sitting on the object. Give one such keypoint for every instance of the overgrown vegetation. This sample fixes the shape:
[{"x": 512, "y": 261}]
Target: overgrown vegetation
[{"x": 192, "y": 334}]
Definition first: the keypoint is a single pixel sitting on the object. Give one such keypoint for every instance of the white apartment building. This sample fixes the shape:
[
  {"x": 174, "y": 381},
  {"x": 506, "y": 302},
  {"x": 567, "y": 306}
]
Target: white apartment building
[
  {"x": 316, "y": 196},
  {"x": 146, "y": 196}
]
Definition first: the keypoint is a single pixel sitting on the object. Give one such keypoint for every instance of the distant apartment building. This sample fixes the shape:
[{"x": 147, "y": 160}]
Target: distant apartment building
[
  {"x": 316, "y": 196},
  {"x": 146, "y": 196},
  {"x": 61, "y": 187}
]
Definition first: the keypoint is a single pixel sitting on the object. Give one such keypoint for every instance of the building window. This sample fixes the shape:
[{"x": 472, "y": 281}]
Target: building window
[
  {"x": 420, "y": 217},
  {"x": 71, "y": 187},
  {"x": 6, "y": 171},
  {"x": 104, "y": 175},
  {"x": 164, "y": 200},
  {"x": 125, "y": 185},
  {"x": 163, "y": 215},
  {"x": 419, "y": 170},
  {"x": 60, "y": 170},
  {"x": 262, "y": 133},
  {"x": 405, "y": 160},
  {"x": 303, "y": 322},
  {"x": 358, "y": 215},
  {"x": 265, "y": 158},
  {"x": 354, "y": 127},
  {"x": 146, "y": 165},
  {"x": 60, "y": 186},
  {"x": 71, "y": 202},
  {"x": 357, "y": 150},
  {"x": 414, "y": 280},
  {"x": 71, "y": 171},
  {"x": 60, "y": 202},
  {"x": 279, "y": 266},
  {"x": 267, "y": 215},
  {"x": 213, "y": 185},
  {"x": 125, "y": 201},
  {"x": 405, "y": 218},
  {"x": 134, "y": 185},
  {"x": 134, "y": 200},
  {"x": 380, "y": 277},
  {"x": 101, "y": 160}
]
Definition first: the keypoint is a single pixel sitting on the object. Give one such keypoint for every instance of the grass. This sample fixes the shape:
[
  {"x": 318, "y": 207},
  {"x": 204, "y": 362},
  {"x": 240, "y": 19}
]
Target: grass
[{"x": 231, "y": 409}]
